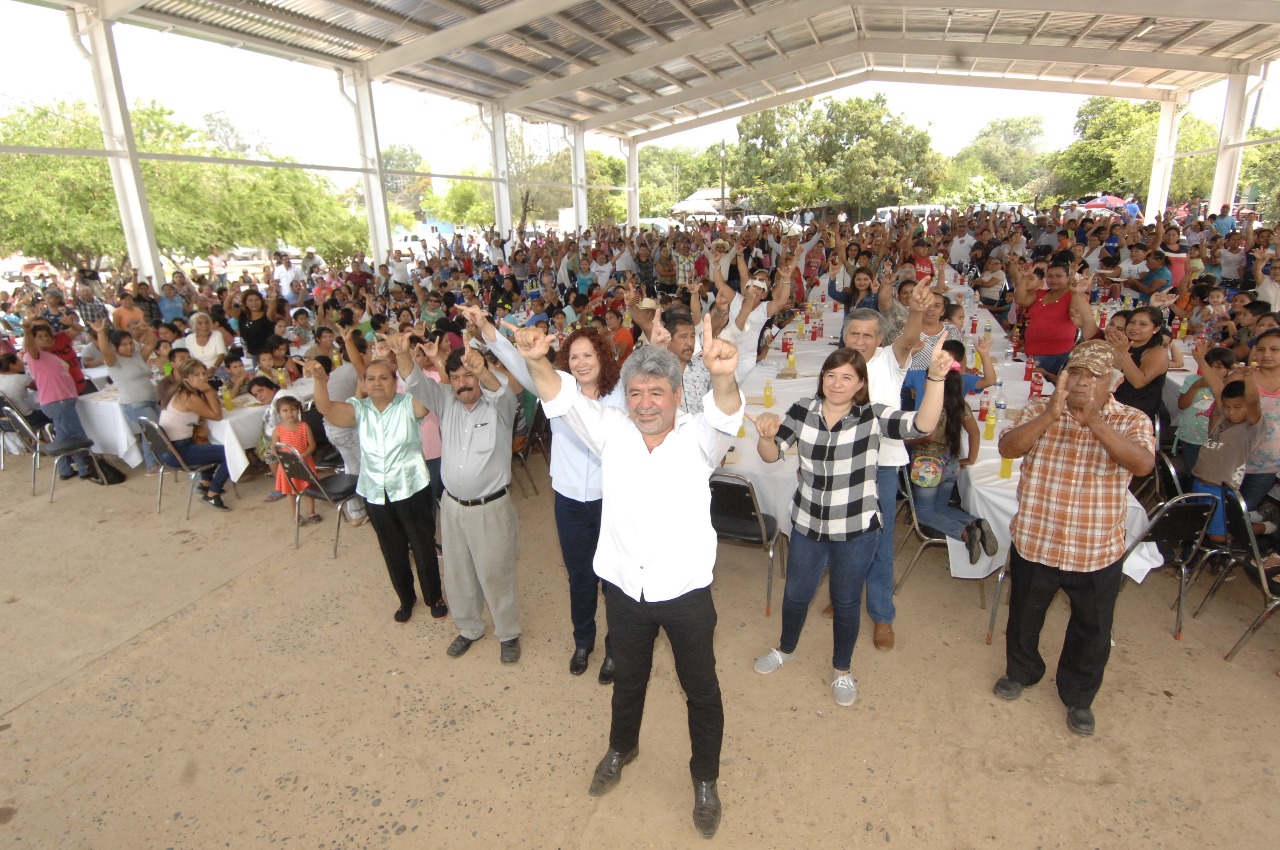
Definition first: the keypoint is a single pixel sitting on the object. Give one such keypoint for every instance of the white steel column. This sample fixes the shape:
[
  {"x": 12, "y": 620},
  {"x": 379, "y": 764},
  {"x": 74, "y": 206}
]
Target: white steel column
[
  {"x": 375, "y": 193},
  {"x": 501, "y": 169},
  {"x": 117, "y": 137},
  {"x": 1162, "y": 161},
  {"x": 579, "y": 178},
  {"x": 1227, "y": 172},
  {"x": 633, "y": 184}
]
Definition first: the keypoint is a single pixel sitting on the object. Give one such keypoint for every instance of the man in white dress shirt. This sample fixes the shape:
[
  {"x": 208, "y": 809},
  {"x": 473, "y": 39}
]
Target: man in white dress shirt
[{"x": 655, "y": 464}]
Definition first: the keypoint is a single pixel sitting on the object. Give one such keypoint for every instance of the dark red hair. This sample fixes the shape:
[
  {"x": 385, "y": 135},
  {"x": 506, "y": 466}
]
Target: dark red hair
[{"x": 609, "y": 369}]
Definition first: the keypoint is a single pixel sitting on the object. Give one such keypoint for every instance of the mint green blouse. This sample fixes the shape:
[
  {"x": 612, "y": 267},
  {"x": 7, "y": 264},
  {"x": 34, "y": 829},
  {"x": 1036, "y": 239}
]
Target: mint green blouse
[{"x": 391, "y": 464}]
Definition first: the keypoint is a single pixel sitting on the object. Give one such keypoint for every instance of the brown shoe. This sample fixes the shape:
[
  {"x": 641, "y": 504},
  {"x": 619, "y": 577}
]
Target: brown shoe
[
  {"x": 883, "y": 638},
  {"x": 829, "y": 612}
]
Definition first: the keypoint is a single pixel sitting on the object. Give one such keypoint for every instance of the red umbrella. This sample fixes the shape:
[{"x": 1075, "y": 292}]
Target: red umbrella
[{"x": 1105, "y": 202}]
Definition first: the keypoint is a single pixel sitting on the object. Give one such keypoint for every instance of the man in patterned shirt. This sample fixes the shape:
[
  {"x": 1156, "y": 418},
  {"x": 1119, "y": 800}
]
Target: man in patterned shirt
[
  {"x": 1080, "y": 449},
  {"x": 685, "y": 263}
]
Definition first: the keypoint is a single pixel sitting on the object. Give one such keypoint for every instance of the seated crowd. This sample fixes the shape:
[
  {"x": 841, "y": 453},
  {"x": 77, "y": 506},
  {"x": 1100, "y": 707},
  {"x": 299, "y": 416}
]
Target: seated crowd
[{"x": 429, "y": 370}]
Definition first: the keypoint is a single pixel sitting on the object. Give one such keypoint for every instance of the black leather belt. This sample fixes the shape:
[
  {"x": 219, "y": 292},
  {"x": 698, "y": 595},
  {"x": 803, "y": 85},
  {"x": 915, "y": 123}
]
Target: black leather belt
[{"x": 483, "y": 500}]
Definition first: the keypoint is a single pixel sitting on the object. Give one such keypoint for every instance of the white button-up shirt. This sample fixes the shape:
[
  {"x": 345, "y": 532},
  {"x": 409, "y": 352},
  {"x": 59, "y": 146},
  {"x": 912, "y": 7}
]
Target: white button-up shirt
[{"x": 656, "y": 539}]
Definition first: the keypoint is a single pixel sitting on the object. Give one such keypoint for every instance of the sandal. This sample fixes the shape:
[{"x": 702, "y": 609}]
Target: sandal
[
  {"x": 274, "y": 497},
  {"x": 315, "y": 519}
]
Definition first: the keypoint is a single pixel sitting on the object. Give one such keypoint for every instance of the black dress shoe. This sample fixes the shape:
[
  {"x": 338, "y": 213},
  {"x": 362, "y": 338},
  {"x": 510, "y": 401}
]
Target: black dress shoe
[
  {"x": 609, "y": 771},
  {"x": 1080, "y": 721},
  {"x": 403, "y": 613},
  {"x": 578, "y": 663},
  {"x": 459, "y": 646},
  {"x": 706, "y": 808},
  {"x": 510, "y": 652},
  {"x": 606, "y": 670}
]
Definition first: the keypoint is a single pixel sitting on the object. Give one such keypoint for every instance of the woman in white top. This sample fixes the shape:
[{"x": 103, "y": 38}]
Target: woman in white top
[
  {"x": 575, "y": 474},
  {"x": 204, "y": 343},
  {"x": 193, "y": 399},
  {"x": 128, "y": 370}
]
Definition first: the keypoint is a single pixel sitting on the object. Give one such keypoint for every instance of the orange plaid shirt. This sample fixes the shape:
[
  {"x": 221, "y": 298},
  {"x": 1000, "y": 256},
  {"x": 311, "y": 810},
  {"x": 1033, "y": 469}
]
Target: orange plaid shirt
[{"x": 1072, "y": 496}]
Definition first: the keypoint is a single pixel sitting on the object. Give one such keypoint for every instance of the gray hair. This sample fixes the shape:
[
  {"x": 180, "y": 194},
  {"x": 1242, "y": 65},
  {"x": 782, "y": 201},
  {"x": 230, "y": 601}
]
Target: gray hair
[
  {"x": 651, "y": 361},
  {"x": 866, "y": 314}
]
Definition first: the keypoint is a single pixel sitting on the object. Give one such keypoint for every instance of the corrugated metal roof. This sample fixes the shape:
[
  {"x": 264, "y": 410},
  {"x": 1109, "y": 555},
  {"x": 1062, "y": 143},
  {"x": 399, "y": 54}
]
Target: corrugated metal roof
[{"x": 588, "y": 60}]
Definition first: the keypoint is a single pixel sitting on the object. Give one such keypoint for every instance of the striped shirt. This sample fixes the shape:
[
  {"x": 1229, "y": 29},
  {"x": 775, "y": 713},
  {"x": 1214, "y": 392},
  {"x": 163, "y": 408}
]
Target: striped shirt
[
  {"x": 837, "y": 497},
  {"x": 1072, "y": 495}
]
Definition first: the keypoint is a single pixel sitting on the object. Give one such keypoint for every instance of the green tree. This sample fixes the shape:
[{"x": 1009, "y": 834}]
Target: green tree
[
  {"x": 1004, "y": 152},
  {"x": 1192, "y": 175},
  {"x": 1260, "y": 173},
  {"x": 468, "y": 202},
  {"x": 1104, "y": 126},
  {"x": 63, "y": 209},
  {"x": 669, "y": 175}
]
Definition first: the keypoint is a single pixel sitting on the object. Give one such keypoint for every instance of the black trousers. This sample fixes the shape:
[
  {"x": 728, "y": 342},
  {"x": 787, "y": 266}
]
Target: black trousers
[
  {"x": 1087, "y": 645},
  {"x": 409, "y": 524},
  {"x": 690, "y": 624}
]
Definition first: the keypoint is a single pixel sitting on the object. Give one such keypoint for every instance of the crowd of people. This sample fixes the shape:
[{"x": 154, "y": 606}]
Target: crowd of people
[{"x": 428, "y": 370}]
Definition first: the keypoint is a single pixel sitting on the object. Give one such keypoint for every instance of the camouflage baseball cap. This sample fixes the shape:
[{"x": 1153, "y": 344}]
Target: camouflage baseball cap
[{"x": 1096, "y": 356}]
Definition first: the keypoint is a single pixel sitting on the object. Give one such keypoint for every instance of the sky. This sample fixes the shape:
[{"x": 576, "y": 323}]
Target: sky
[{"x": 297, "y": 109}]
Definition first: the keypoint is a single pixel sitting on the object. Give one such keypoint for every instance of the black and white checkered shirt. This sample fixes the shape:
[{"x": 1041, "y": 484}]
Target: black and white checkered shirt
[{"x": 837, "y": 498}]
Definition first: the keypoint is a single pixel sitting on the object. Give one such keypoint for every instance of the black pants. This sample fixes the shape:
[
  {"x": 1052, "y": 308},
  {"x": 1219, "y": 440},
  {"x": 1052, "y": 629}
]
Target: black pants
[
  {"x": 690, "y": 624},
  {"x": 400, "y": 526},
  {"x": 579, "y": 526},
  {"x": 1087, "y": 645}
]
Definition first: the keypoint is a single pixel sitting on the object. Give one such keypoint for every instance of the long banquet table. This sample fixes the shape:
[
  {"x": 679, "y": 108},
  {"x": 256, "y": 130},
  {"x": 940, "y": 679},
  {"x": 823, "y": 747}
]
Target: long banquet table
[{"x": 983, "y": 493}]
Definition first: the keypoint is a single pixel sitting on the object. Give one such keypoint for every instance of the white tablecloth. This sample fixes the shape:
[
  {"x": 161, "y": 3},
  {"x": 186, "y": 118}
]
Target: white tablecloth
[
  {"x": 239, "y": 429},
  {"x": 985, "y": 494}
]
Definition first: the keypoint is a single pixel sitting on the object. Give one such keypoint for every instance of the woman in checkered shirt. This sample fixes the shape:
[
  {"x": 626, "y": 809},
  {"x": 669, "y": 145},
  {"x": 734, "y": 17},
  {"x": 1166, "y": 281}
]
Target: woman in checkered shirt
[{"x": 835, "y": 513}]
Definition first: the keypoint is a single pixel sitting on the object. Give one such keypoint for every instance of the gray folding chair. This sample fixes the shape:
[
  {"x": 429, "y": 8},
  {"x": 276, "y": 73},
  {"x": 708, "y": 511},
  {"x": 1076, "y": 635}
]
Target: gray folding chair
[
  {"x": 337, "y": 490},
  {"x": 162, "y": 448},
  {"x": 1244, "y": 552},
  {"x": 55, "y": 449},
  {"x": 927, "y": 536},
  {"x": 736, "y": 517}
]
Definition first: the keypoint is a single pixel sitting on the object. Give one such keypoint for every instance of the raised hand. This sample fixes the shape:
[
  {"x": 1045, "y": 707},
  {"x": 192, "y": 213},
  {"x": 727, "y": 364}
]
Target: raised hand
[
  {"x": 939, "y": 361},
  {"x": 315, "y": 370},
  {"x": 532, "y": 343},
  {"x": 98, "y": 327},
  {"x": 473, "y": 361},
  {"x": 921, "y": 298},
  {"x": 767, "y": 424},
  {"x": 983, "y": 347},
  {"x": 658, "y": 334},
  {"x": 719, "y": 356}
]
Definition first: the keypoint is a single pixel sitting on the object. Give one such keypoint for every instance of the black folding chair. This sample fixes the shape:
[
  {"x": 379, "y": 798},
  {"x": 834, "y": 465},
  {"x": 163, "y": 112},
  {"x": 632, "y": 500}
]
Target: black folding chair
[
  {"x": 337, "y": 490},
  {"x": 55, "y": 449},
  {"x": 1167, "y": 482},
  {"x": 162, "y": 448},
  {"x": 736, "y": 517},
  {"x": 1178, "y": 527},
  {"x": 535, "y": 436},
  {"x": 1244, "y": 551}
]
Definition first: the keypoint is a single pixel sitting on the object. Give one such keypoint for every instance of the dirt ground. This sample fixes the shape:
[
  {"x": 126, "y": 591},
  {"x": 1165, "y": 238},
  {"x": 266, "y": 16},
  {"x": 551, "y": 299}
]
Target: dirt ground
[{"x": 201, "y": 684}]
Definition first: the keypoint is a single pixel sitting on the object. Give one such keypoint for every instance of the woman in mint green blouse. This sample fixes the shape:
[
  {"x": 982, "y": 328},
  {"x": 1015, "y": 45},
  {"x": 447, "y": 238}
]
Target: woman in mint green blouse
[{"x": 393, "y": 480}]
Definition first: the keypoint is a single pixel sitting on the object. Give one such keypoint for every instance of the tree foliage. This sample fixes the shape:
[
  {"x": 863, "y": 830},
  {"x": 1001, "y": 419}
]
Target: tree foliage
[
  {"x": 63, "y": 209},
  {"x": 853, "y": 152}
]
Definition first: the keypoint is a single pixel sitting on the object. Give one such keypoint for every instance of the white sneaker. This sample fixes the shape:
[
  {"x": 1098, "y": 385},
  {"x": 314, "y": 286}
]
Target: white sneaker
[
  {"x": 772, "y": 660},
  {"x": 1256, "y": 516},
  {"x": 844, "y": 689}
]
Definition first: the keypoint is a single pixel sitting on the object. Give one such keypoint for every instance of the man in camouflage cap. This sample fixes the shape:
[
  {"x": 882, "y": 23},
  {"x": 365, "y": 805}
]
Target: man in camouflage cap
[{"x": 1080, "y": 448}]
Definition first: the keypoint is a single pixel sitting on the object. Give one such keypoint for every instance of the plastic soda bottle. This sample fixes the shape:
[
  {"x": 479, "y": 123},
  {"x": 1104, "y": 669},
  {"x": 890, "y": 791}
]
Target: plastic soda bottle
[
  {"x": 989, "y": 430},
  {"x": 984, "y": 405},
  {"x": 1006, "y": 467},
  {"x": 768, "y": 394}
]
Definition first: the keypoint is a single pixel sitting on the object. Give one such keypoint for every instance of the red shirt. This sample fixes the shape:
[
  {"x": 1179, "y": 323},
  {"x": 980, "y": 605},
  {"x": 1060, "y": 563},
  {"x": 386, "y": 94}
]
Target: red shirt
[{"x": 1049, "y": 326}]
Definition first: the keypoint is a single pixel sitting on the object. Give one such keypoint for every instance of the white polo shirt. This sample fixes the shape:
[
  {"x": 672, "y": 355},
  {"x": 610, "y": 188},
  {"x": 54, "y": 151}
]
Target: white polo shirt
[{"x": 885, "y": 378}]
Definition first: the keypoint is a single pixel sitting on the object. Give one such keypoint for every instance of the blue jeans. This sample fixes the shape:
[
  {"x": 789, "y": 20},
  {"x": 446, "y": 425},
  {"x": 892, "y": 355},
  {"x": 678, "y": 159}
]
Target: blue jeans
[
  {"x": 67, "y": 426},
  {"x": 198, "y": 454},
  {"x": 1254, "y": 488},
  {"x": 933, "y": 505},
  {"x": 850, "y": 562},
  {"x": 134, "y": 412},
  {"x": 579, "y": 526},
  {"x": 880, "y": 580}
]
